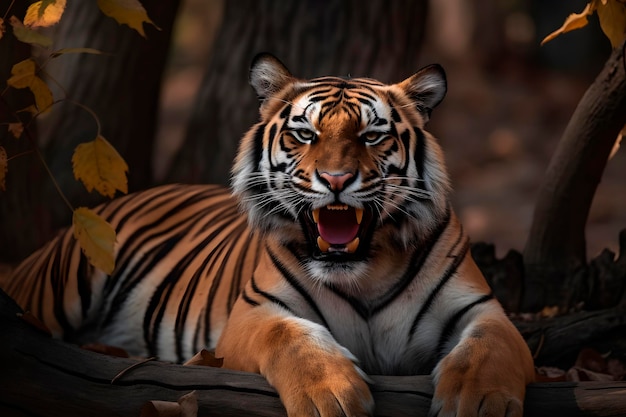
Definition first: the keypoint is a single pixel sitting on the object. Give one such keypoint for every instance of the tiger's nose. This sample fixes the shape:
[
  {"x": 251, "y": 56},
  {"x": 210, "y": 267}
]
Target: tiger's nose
[{"x": 336, "y": 182}]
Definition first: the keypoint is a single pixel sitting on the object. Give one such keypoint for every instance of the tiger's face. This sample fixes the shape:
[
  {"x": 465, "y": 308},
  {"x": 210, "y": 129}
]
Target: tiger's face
[{"x": 342, "y": 169}]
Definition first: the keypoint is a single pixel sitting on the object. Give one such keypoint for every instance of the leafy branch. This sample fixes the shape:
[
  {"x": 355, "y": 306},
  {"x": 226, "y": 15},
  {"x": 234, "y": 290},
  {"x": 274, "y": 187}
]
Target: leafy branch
[{"x": 95, "y": 163}]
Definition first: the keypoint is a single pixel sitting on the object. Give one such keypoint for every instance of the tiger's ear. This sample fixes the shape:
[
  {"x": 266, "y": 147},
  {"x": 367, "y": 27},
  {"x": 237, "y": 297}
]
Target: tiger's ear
[
  {"x": 426, "y": 88},
  {"x": 268, "y": 75}
]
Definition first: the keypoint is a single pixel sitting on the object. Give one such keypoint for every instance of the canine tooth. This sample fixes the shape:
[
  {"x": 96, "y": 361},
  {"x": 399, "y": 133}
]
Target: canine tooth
[
  {"x": 359, "y": 215},
  {"x": 316, "y": 215},
  {"x": 352, "y": 246},
  {"x": 322, "y": 244}
]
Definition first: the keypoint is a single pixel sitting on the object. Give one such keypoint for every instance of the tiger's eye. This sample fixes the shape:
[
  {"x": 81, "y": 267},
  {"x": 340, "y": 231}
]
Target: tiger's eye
[
  {"x": 305, "y": 135},
  {"x": 371, "y": 137}
]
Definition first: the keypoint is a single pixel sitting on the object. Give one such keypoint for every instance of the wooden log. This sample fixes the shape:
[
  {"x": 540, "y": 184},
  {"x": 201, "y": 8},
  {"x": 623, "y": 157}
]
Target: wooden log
[{"x": 41, "y": 376}]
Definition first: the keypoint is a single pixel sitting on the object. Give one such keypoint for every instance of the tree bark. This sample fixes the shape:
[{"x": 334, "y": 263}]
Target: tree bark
[
  {"x": 555, "y": 250},
  {"x": 21, "y": 219},
  {"x": 122, "y": 87},
  {"x": 313, "y": 38},
  {"x": 43, "y": 376}
]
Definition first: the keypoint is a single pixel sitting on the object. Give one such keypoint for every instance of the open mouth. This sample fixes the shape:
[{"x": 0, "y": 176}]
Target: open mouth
[{"x": 338, "y": 231}]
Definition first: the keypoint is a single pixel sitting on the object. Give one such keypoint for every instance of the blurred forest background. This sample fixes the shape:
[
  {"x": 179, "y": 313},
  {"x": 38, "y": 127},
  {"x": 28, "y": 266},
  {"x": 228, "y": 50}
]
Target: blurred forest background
[{"x": 509, "y": 99}]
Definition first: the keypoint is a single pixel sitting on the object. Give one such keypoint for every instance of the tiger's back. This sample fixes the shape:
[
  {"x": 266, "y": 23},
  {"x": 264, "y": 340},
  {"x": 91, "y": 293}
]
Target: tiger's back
[{"x": 183, "y": 253}]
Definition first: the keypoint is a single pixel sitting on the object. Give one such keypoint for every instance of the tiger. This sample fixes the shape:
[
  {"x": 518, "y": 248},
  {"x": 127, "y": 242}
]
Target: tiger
[{"x": 334, "y": 255}]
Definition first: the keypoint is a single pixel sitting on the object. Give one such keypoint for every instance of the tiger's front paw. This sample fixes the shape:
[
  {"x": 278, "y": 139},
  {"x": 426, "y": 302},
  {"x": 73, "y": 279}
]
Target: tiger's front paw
[
  {"x": 473, "y": 402},
  {"x": 325, "y": 386}
]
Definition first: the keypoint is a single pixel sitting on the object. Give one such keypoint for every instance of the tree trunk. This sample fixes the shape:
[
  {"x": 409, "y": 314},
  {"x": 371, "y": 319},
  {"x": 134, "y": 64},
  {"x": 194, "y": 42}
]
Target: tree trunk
[
  {"x": 42, "y": 376},
  {"x": 122, "y": 87},
  {"x": 313, "y": 38},
  {"x": 555, "y": 251},
  {"x": 21, "y": 218}
]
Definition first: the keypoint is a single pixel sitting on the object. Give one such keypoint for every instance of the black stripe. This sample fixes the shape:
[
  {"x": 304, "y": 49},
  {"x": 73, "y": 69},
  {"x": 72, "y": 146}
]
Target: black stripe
[
  {"x": 269, "y": 296},
  {"x": 248, "y": 300},
  {"x": 420, "y": 153},
  {"x": 297, "y": 286},
  {"x": 448, "y": 328},
  {"x": 83, "y": 275},
  {"x": 442, "y": 281},
  {"x": 258, "y": 143}
]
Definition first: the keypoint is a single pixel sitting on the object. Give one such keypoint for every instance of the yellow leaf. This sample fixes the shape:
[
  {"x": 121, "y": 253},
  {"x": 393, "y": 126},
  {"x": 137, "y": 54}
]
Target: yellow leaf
[
  {"x": 96, "y": 238},
  {"x": 16, "y": 129},
  {"x": 29, "y": 109},
  {"x": 22, "y": 73},
  {"x": 127, "y": 12},
  {"x": 98, "y": 165},
  {"x": 43, "y": 95},
  {"x": 65, "y": 51},
  {"x": 573, "y": 21},
  {"x": 3, "y": 168},
  {"x": 612, "y": 16},
  {"x": 26, "y": 35},
  {"x": 44, "y": 13},
  {"x": 24, "y": 76}
]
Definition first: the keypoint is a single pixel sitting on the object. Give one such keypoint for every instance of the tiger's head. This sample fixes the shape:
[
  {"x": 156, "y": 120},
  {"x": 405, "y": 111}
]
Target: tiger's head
[{"x": 340, "y": 168}]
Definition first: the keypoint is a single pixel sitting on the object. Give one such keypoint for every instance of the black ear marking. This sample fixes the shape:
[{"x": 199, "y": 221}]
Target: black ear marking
[
  {"x": 268, "y": 75},
  {"x": 426, "y": 88}
]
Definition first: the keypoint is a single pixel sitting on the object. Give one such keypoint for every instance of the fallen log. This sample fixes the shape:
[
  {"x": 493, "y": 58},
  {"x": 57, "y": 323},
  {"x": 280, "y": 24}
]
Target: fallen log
[{"x": 41, "y": 376}]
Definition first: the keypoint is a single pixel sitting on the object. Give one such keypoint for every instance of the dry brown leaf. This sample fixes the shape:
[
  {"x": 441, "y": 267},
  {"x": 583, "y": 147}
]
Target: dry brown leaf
[
  {"x": 577, "y": 374},
  {"x": 574, "y": 21},
  {"x": 16, "y": 129},
  {"x": 205, "y": 358},
  {"x": 187, "y": 406},
  {"x": 591, "y": 360},
  {"x": 549, "y": 374},
  {"x": 549, "y": 312},
  {"x": 612, "y": 16}
]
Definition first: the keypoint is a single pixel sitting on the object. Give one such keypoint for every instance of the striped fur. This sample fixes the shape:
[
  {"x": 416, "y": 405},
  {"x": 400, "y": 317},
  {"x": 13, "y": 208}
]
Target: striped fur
[{"x": 349, "y": 259}]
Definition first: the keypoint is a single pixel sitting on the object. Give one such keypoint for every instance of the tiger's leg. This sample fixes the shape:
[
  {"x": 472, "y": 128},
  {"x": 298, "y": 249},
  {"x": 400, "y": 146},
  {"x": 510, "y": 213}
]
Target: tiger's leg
[
  {"x": 312, "y": 373},
  {"x": 485, "y": 374}
]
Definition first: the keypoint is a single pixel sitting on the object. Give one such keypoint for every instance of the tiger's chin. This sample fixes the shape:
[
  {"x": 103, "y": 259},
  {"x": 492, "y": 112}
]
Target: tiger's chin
[{"x": 347, "y": 276}]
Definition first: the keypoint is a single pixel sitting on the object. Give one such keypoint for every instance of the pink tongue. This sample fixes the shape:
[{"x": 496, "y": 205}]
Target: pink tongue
[{"x": 337, "y": 227}]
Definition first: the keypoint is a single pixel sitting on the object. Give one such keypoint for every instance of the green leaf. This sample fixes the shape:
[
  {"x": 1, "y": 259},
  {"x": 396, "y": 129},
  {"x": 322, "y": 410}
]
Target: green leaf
[
  {"x": 29, "y": 36},
  {"x": 96, "y": 238}
]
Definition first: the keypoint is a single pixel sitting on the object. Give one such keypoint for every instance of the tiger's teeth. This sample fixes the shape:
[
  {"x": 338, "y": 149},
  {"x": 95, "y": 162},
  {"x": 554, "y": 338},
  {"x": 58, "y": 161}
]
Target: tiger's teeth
[
  {"x": 322, "y": 244},
  {"x": 352, "y": 246},
  {"x": 316, "y": 215},
  {"x": 359, "y": 215},
  {"x": 337, "y": 207}
]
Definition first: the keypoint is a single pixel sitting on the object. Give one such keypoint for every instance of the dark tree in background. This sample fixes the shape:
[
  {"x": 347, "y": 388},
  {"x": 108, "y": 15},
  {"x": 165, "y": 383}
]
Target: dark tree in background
[
  {"x": 313, "y": 38},
  {"x": 122, "y": 87},
  {"x": 20, "y": 212}
]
